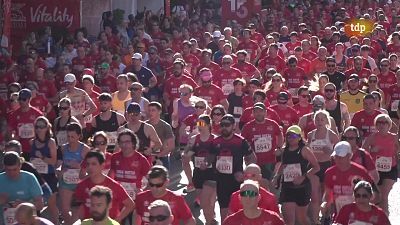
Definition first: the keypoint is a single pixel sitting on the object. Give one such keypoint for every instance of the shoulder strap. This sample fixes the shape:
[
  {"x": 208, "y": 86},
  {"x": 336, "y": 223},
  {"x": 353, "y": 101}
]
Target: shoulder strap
[{"x": 362, "y": 154}]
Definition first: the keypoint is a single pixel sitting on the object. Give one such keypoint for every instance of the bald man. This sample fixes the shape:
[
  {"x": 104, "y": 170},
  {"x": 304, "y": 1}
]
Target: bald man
[
  {"x": 160, "y": 213},
  {"x": 26, "y": 214},
  {"x": 267, "y": 199}
]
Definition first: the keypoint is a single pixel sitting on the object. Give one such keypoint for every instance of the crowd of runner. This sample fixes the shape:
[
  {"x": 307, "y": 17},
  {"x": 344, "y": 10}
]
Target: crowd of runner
[{"x": 283, "y": 120}]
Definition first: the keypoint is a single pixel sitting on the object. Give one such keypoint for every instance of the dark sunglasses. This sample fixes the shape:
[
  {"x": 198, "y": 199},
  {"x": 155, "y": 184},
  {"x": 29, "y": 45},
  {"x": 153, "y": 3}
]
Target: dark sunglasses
[
  {"x": 40, "y": 127},
  {"x": 63, "y": 108},
  {"x": 199, "y": 107},
  {"x": 356, "y": 195},
  {"x": 225, "y": 124},
  {"x": 329, "y": 90},
  {"x": 156, "y": 185},
  {"x": 384, "y": 65},
  {"x": 248, "y": 193},
  {"x": 293, "y": 136},
  {"x": 158, "y": 218},
  {"x": 330, "y": 65},
  {"x": 184, "y": 93},
  {"x": 97, "y": 143}
]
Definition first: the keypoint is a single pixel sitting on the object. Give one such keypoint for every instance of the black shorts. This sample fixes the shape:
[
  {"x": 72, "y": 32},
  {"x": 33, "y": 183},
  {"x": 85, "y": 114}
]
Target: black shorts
[
  {"x": 52, "y": 181},
  {"x": 301, "y": 195},
  {"x": 226, "y": 185},
  {"x": 267, "y": 170},
  {"x": 323, "y": 167},
  {"x": 201, "y": 176},
  {"x": 390, "y": 175}
]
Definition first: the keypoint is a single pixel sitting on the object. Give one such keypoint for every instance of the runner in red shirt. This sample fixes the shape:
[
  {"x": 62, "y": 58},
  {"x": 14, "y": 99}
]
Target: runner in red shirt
[
  {"x": 40, "y": 101},
  {"x": 46, "y": 87},
  {"x": 250, "y": 46},
  {"x": 386, "y": 77},
  {"x": 267, "y": 199},
  {"x": 304, "y": 106},
  {"x": 21, "y": 121},
  {"x": 226, "y": 75},
  {"x": 293, "y": 43},
  {"x": 341, "y": 178},
  {"x": 252, "y": 86},
  {"x": 362, "y": 211},
  {"x": 393, "y": 98},
  {"x": 82, "y": 61},
  {"x": 158, "y": 182},
  {"x": 121, "y": 205},
  {"x": 358, "y": 69},
  {"x": 107, "y": 81},
  {"x": 307, "y": 54},
  {"x": 247, "y": 69},
  {"x": 206, "y": 62},
  {"x": 128, "y": 166},
  {"x": 302, "y": 62},
  {"x": 264, "y": 135},
  {"x": 272, "y": 60},
  {"x": 256, "y": 36},
  {"x": 192, "y": 62},
  {"x": 250, "y": 196},
  {"x": 274, "y": 87},
  {"x": 364, "y": 119},
  {"x": 295, "y": 76},
  {"x": 289, "y": 115},
  {"x": 209, "y": 91}
]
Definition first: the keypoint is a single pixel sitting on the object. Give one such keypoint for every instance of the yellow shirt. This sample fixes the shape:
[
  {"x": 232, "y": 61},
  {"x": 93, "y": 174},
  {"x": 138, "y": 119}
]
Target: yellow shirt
[
  {"x": 119, "y": 104},
  {"x": 354, "y": 102}
]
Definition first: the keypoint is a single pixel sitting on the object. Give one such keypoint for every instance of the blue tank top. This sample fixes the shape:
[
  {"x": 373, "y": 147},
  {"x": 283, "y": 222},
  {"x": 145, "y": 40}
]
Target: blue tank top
[
  {"x": 72, "y": 156},
  {"x": 45, "y": 151}
]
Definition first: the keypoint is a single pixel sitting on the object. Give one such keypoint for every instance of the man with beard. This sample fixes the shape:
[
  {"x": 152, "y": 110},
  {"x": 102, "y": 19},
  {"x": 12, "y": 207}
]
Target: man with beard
[
  {"x": 336, "y": 77},
  {"x": 108, "y": 120},
  {"x": 337, "y": 109},
  {"x": 353, "y": 97},
  {"x": 100, "y": 201},
  {"x": 121, "y": 204},
  {"x": 230, "y": 149}
]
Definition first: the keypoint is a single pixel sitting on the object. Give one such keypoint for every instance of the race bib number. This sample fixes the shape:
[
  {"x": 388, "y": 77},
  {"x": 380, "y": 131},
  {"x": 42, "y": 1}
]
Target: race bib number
[
  {"x": 225, "y": 164},
  {"x": 343, "y": 200},
  {"x": 394, "y": 106},
  {"x": 237, "y": 110},
  {"x": 227, "y": 89},
  {"x": 26, "y": 130},
  {"x": 293, "y": 91},
  {"x": 40, "y": 165},
  {"x": 383, "y": 164},
  {"x": 9, "y": 216},
  {"x": 130, "y": 188},
  {"x": 71, "y": 176},
  {"x": 291, "y": 171},
  {"x": 263, "y": 144},
  {"x": 61, "y": 137},
  {"x": 112, "y": 138},
  {"x": 198, "y": 161},
  {"x": 317, "y": 146}
]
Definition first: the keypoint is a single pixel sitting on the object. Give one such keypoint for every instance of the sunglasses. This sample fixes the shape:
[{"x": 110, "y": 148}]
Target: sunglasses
[
  {"x": 97, "y": 143},
  {"x": 225, "y": 124},
  {"x": 199, "y": 107},
  {"x": 248, "y": 193},
  {"x": 331, "y": 65},
  {"x": 384, "y": 65},
  {"x": 40, "y": 127},
  {"x": 292, "y": 136},
  {"x": 329, "y": 90},
  {"x": 135, "y": 89},
  {"x": 158, "y": 218},
  {"x": 156, "y": 185},
  {"x": 356, "y": 195},
  {"x": 133, "y": 113},
  {"x": 63, "y": 108}
]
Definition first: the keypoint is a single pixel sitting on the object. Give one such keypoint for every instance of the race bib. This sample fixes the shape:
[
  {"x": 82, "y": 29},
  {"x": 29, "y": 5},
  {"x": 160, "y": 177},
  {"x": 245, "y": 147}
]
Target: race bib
[
  {"x": 291, "y": 171},
  {"x": 9, "y": 216},
  {"x": 293, "y": 91},
  {"x": 394, "y": 106},
  {"x": 61, "y": 137},
  {"x": 357, "y": 222},
  {"x": 225, "y": 164},
  {"x": 71, "y": 176},
  {"x": 343, "y": 200},
  {"x": 237, "y": 110},
  {"x": 198, "y": 161},
  {"x": 317, "y": 145},
  {"x": 227, "y": 89},
  {"x": 130, "y": 188},
  {"x": 26, "y": 130},
  {"x": 383, "y": 164},
  {"x": 40, "y": 165},
  {"x": 112, "y": 138},
  {"x": 263, "y": 144}
]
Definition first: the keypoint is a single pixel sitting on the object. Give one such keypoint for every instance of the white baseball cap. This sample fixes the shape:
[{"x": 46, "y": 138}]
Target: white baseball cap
[
  {"x": 342, "y": 149},
  {"x": 69, "y": 77},
  {"x": 137, "y": 56},
  {"x": 216, "y": 34}
]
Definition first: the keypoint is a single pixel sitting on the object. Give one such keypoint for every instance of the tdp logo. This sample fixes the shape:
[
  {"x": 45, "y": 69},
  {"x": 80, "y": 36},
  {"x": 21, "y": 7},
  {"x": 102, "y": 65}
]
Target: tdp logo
[{"x": 358, "y": 27}]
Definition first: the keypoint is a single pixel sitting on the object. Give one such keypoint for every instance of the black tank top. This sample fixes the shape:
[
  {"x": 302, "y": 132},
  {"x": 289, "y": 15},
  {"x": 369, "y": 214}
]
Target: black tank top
[
  {"x": 110, "y": 125},
  {"x": 58, "y": 126},
  {"x": 294, "y": 158},
  {"x": 336, "y": 114},
  {"x": 144, "y": 141},
  {"x": 202, "y": 148}
]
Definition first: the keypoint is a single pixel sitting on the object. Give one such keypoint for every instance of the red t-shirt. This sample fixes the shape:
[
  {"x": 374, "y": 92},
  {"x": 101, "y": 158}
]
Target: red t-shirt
[
  {"x": 224, "y": 79},
  {"x": 289, "y": 116},
  {"x": 394, "y": 93},
  {"x": 385, "y": 81},
  {"x": 268, "y": 62},
  {"x": 273, "y": 96},
  {"x": 267, "y": 201},
  {"x": 212, "y": 94},
  {"x": 305, "y": 64},
  {"x": 291, "y": 46},
  {"x": 391, "y": 48},
  {"x": 266, "y": 217},
  {"x": 39, "y": 102},
  {"x": 263, "y": 139},
  {"x": 301, "y": 111},
  {"x": 179, "y": 207},
  {"x": 108, "y": 84},
  {"x": 172, "y": 85},
  {"x": 309, "y": 55},
  {"x": 214, "y": 67},
  {"x": 47, "y": 88},
  {"x": 246, "y": 69},
  {"x": 250, "y": 47},
  {"x": 350, "y": 214},
  {"x": 367, "y": 163},
  {"x": 191, "y": 120},
  {"x": 78, "y": 64},
  {"x": 129, "y": 171},
  {"x": 22, "y": 123},
  {"x": 363, "y": 73},
  {"x": 365, "y": 122},
  {"x": 118, "y": 195},
  {"x": 5, "y": 80},
  {"x": 247, "y": 101},
  {"x": 248, "y": 116},
  {"x": 295, "y": 78},
  {"x": 191, "y": 61}
]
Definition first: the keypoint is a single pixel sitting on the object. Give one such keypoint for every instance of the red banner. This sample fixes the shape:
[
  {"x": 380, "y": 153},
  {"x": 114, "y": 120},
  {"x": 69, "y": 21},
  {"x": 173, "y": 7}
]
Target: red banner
[
  {"x": 31, "y": 15},
  {"x": 239, "y": 10},
  {"x": 6, "y": 23}
]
